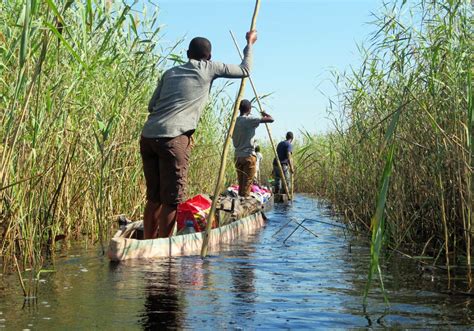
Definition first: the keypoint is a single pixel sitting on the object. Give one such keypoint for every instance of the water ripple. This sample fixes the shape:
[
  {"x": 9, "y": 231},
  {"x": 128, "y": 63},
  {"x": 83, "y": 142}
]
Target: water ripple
[{"x": 260, "y": 282}]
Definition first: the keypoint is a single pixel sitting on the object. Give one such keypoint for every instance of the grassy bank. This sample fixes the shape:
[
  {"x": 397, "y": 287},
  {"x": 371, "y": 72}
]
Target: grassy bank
[
  {"x": 403, "y": 142},
  {"x": 75, "y": 80}
]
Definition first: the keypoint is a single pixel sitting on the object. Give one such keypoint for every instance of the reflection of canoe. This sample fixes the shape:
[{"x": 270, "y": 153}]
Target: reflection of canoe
[{"x": 122, "y": 247}]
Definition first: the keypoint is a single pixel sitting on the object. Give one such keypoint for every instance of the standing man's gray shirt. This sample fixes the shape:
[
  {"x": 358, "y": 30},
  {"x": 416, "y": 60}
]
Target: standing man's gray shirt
[
  {"x": 182, "y": 93},
  {"x": 243, "y": 135}
]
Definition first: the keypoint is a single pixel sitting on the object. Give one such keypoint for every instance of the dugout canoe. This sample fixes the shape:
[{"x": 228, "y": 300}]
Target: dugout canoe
[{"x": 122, "y": 248}]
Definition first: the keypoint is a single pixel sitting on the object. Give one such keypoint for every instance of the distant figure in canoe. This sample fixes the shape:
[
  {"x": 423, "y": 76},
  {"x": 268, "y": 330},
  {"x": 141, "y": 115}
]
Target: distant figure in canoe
[
  {"x": 165, "y": 144},
  {"x": 259, "y": 156},
  {"x": 244, "y": 144},
  {"x": 284, "y": 151}
]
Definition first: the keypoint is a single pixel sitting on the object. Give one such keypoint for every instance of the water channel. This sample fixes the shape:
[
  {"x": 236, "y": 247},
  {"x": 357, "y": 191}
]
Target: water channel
[{"x": 261, "y": 282}]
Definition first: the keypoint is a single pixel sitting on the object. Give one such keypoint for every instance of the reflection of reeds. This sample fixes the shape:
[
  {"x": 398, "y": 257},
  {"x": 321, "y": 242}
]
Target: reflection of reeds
[
  {"x": 75, "y": 79},
  {"x": 403, "y": 135}
]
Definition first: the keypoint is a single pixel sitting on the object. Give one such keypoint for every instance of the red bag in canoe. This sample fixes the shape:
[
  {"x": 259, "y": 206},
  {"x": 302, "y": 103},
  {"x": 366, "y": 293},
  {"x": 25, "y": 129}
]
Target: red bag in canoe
[{"x": 195, "y": 209}]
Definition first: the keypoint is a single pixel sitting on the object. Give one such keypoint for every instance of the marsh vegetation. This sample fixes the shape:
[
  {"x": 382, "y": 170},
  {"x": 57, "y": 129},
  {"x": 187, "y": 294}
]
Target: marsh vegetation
[
  {"x": 75, "y": 79},
  {"x": 400, "y": 161}
]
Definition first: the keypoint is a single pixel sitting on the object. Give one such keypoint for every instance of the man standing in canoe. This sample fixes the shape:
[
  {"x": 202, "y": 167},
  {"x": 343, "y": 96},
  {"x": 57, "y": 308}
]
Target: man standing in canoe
[
  {"x": 284, "y": 151},
  {"x": 175, "y": 109},
  {"x": 244, "y": 144}
]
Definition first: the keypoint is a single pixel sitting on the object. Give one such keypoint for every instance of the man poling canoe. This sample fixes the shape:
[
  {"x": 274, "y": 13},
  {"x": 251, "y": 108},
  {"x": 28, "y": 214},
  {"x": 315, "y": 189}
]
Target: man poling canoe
[
  {"x": 284, "y": 151},
  {"x": 260, "y": 107},
  {"x": 175, "y": 109},
  {"x": 244, "y": 144}
]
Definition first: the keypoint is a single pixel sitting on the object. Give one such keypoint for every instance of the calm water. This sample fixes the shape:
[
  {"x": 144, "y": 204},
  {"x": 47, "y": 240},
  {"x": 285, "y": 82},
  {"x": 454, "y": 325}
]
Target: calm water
[{"x": 259, "y": 283}]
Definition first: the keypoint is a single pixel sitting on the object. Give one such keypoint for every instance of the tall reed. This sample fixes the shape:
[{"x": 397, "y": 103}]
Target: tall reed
[
  {"x": 399, "y": 161},
  {"x": 75, "y": 80}
]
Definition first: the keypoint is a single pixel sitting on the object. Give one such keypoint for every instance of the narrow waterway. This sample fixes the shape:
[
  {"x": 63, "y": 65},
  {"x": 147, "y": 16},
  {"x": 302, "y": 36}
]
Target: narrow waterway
[{"x": 262, "y": 282}]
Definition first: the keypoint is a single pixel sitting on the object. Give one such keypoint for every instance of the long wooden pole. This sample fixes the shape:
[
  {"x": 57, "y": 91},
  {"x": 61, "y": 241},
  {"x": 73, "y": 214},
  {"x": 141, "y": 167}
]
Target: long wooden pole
[
  {"x": 285, "y": 184},
  {"x": 292, "y": 174},
  {"x": 225, "y": 150}
]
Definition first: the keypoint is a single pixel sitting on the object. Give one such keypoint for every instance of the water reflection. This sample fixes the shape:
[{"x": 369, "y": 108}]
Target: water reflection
[
  {"x": 255, "y": 283},
  {"x": 164, "y": 303},
  {"x": 243, "y": 278}
]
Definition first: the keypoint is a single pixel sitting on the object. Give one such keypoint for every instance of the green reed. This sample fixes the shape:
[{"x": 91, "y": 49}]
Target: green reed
[
  {"x": 75, "y": 80},
  {"x": 399, "y": 162}
]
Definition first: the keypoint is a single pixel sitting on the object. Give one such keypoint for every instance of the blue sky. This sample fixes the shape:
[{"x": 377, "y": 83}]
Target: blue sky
[{"x": 299, "y": 43}]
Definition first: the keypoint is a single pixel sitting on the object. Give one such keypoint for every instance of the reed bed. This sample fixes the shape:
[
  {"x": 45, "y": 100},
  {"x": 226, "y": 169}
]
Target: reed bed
[
  {"x": 75, "y": 80},
  {"x": 399, "y": 162}
]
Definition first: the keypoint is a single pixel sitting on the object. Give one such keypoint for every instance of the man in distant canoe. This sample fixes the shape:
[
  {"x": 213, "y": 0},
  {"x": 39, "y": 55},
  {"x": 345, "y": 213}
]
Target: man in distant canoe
[
  {"x": 175, "y": 109},
  {"x": 284, "y": 151},
  {"x": 244, "y": 144}
]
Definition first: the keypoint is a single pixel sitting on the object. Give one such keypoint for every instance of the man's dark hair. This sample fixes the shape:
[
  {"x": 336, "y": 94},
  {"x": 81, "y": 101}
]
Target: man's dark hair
[
  {"x": 199, "y": 49},
  {"x": 289, "y": 135},
  {"x": 257, "y": 149},
  {"x": 245, "y": 106}
]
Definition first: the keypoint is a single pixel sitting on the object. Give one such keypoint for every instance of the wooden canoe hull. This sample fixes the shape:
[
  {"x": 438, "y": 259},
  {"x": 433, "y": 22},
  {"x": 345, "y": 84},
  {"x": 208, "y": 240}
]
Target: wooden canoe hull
[{"x": 121, "y": 249}]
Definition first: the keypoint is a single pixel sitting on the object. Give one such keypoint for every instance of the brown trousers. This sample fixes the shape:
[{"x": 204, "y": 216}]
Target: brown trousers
[
  {"x": 165, "y": 164},
  {"x": 246, "y": 168}
]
